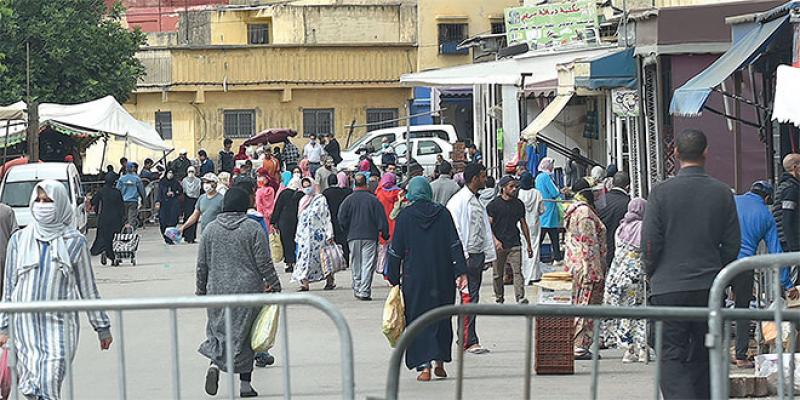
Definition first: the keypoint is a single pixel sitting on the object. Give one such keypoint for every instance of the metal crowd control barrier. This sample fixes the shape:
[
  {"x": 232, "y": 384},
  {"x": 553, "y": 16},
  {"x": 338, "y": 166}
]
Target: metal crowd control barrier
[
  {"x": 598, "y": 313},
  {"x": 718, "y": 325},
  {"x": 226, "y": 302}
]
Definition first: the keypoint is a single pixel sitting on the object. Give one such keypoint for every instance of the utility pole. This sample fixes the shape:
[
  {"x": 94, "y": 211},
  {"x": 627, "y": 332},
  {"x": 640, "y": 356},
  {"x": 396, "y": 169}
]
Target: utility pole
[{"x": 33, "y": 112}]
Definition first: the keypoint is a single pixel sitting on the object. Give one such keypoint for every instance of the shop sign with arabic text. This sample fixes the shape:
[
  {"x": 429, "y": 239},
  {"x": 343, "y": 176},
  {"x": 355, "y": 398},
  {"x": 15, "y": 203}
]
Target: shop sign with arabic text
[{"x": 553, "y": 25}]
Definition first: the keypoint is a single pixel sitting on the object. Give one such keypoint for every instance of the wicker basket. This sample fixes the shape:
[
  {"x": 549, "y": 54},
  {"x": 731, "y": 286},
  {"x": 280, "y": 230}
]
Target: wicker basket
[{"x": 554, "y": 346}]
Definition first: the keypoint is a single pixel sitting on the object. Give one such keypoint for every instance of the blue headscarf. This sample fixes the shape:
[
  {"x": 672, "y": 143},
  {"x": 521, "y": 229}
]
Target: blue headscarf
[{"x": 419, "y": 189}]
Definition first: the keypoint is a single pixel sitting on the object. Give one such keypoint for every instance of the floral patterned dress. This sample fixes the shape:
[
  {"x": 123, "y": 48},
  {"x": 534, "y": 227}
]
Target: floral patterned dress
[
  {"x": 625, "y": 288},
  {"x": 585, "y": 258},
  {"x": 313, "y": 229}
]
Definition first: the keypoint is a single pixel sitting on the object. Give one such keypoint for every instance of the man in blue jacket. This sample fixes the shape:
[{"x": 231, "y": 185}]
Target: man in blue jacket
[
  {"x": 756, "y": 224},
  {"x": 132, "y": 191}
]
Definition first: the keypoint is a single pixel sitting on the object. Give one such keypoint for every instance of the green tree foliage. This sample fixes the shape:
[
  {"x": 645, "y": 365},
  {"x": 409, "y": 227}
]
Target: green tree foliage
[{"x": 79, "y": 51}]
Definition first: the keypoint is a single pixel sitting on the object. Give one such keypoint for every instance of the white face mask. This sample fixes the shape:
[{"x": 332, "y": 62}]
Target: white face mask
[
  {"x": 44, "y": 213},
  {"x": 296, "y": 175},
  {"x": 309, "y": 190},
  {"x": 208, "y": 188}
]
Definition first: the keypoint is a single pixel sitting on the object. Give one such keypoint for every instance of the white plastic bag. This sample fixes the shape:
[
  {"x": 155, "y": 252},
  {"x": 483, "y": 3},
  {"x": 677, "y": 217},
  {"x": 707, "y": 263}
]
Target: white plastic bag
[
  {"x": 265, "y": 328},
  {"x": 767, "y": 367}
]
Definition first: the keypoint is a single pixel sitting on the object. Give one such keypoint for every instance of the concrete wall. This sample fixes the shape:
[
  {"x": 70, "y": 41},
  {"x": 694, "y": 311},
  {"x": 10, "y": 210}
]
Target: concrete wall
[
  {"x": 478, "y": 14},
  {"x": 196, "y": 126},
  {"x": 320, "y": 24}
]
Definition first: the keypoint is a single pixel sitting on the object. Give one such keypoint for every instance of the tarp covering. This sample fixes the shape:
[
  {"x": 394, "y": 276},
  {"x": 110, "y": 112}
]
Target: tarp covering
[
  {"x": 13, "y": 111},
  {"x": 689, "y": 99},
  {"x": 104, "y": 115},
  {"x": 787, "y": 85},
  {"x": 542, "y": 66},
  {"x": 610, "y": 71},
  {"x": 545, "y": 117}
]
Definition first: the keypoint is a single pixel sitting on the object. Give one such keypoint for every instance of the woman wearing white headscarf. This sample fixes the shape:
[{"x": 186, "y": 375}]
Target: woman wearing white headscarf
[
  {"x": 314, "y": 229},
  {"x": 48, "y": 261}
]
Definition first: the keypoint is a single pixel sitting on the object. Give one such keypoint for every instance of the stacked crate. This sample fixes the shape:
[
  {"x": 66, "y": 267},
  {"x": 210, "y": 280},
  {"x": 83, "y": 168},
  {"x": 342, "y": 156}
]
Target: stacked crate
[
  {"x": 554, "y": 346},
  {"x": 458, "y": 157}
]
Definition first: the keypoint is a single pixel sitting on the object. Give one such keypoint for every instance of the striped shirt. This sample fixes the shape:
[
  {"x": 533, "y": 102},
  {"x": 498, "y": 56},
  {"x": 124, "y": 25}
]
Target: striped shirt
[{"x": 45, "y": 342}]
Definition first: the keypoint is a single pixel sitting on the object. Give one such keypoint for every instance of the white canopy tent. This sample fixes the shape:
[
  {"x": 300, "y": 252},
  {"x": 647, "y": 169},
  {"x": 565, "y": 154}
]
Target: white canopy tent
[{"x": 104, "y": 115}]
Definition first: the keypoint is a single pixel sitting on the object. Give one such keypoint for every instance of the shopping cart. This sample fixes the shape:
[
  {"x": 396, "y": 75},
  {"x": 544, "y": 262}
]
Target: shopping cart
[{"x": 125, "y": 245}]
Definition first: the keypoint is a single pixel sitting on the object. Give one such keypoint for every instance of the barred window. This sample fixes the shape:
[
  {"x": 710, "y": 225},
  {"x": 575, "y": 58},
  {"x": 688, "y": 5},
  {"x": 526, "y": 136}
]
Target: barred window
[
  {"x": 239, "y": 123},
  {"x": 376, "y": 115},
  {"x": 164, "y": 124},
  {"x": 317, "y": 121},
  {"x": 258, "y": 34}
]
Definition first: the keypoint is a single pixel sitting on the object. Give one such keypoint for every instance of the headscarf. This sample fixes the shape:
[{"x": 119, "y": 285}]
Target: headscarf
[
  {"x": 236, "y": 199},
  {"x": 526, "y": 181},
  {"x": 286, "y": 177},
  {"x": 224, "y": 179},
  {"x": 583, "y": 191},
  {"x": 295, "y": 184},
  {"x": 48, "y": 232},
  {"x": 363, "y": 166},
  {"x": 191, "y": 186},
  {"x": 389, "y": 182},
  {"x": 304, "y": 168},
  {"x": 630, "y": 228},
  {"x": 419, "y": 189},
  {"x": 307, "y": 198},
  {"x": 242, "y": 155},
  {"x": 597, "y": 174},
  {"x": 342, "y": 180},
  {"x": 547, "y": 165}
]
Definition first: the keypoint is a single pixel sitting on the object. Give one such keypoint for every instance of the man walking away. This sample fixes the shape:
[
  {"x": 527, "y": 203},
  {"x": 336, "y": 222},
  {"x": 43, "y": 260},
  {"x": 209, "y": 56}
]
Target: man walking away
[
  {"x": 313, "y": 152},
  {"x": 757, "y": 224},
  {"x": 691, "y": 231},
  {"x": 333, "y": 149},
  {"x": 474, "y": 231},
  {"x": 226, "y": 162},
  {"x": 291, "y": 155},
  {"x": 617, "y": 200},
  {"x": 505, "y": 212},
  {"x": 444, "y": 187},
  {"x": 132, "y": 190},
  {"x": 785, "y": 210},
  {"x": 362, "y": 218}
]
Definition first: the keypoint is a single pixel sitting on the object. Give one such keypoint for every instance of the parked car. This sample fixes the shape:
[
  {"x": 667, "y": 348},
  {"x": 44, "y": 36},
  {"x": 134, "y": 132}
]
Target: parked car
[
  {"x": 20, "y": 180},
  {"x": 423, "y": 150},
  {"x": 371, "y": 142}
]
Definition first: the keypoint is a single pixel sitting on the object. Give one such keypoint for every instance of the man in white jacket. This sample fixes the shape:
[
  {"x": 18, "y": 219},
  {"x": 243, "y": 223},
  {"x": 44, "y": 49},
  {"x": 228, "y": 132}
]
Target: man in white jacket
[{"x": 472, "y": 224}]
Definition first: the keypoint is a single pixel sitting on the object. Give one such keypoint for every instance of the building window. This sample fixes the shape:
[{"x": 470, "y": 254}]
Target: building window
[
  {"x": 239, "y": 123},
  {"x": 376, "y": 115},
  {"x": 450, "y": 35},
  {"x": 317, "y": 122},
  {"x": 164, "y": 124},
  {"x": 498, "y": 27},
  {"x": 258, "y": 34}
]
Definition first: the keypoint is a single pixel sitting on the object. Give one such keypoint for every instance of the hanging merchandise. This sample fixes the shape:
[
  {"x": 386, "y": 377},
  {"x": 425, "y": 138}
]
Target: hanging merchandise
[{"x": 592, "y": 127}]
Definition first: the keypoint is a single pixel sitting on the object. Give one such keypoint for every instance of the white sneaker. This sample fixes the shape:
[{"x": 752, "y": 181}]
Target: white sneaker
[
  {"x": 644, "y": 355},
  {"x": 629, "y": 358}
]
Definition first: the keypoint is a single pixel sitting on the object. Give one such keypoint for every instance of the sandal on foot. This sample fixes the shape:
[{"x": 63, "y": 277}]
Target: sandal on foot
[
  {"x": 250, "y": 393},
  {"x": 212, "y": 380},
  {"x": 424, "y": 376},
  {"x": 440, "y": 372},
  {"x": 302, "y": 289}
]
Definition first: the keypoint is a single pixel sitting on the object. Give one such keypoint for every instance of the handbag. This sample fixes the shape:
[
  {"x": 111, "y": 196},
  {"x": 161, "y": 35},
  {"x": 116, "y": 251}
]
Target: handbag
[
  {"x": 265, "y": 328},
  {"x": 332, "y": 259},
  {"x": 394, "y": 317},
  {"x": 276, "y": 247},
  {"x": 5, "y": 375}
]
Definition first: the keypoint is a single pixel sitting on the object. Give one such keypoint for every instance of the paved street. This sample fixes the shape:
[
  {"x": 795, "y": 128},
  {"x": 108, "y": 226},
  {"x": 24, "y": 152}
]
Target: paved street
[{"x": 169, "y": 271}]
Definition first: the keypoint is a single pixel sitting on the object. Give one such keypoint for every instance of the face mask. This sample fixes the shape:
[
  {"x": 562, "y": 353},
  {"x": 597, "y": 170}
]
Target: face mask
[
  {"x": 45, "y": 213},
  {"x": 190, "y": 173},
  {"x": 170, "y": 175},
  {"x": 386, "y": 145},
  {"x": 296, "y": 175},
  {"x": 308, "y": 191},
  {"x": 208, "y": 188}
]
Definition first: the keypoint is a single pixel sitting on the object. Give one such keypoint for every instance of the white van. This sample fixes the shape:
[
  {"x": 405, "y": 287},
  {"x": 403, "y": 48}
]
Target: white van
[
  {"x": 372, "y": 140},
  {"x": 20, "y": 180}
]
